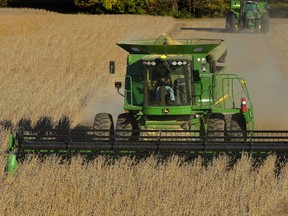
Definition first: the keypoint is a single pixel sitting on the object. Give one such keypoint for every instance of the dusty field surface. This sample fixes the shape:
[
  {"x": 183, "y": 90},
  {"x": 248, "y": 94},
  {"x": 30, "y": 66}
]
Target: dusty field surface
[{"x": 55, "y": 65}]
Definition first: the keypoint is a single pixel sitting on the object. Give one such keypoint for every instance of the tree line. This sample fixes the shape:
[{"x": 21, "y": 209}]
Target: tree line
[{"x": 175, "y": 8}]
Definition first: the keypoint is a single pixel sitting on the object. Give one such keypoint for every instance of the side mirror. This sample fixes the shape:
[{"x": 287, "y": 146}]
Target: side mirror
[
  {"x": 112, "y": 67},
  {"x": 118, "y": 85}
]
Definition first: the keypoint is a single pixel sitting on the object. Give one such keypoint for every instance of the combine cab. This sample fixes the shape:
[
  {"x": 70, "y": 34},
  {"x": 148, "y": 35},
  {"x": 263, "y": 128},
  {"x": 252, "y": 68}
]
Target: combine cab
[
  {"x": 247, "y": 15},
  {"x": 179, "y": 98}
]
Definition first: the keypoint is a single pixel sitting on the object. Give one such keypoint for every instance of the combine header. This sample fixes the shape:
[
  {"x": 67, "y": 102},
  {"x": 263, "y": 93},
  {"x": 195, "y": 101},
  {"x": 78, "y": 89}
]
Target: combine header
[{"x": 179, "y": 98}]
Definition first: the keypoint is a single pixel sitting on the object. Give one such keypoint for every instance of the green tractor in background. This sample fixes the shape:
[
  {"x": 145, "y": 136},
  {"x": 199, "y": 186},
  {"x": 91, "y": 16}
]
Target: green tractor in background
[{"x": 248, "y": 15}]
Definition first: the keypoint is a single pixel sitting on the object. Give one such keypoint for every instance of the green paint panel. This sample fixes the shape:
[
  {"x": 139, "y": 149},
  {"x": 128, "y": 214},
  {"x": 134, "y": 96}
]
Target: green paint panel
[
  {"x": 12, "y": 163},
  {"x": 167, "y": 110},
  {"x": 183, "y": 46}
]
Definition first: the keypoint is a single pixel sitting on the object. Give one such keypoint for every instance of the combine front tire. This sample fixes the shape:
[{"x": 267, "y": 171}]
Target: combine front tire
[
  {"x": 126, "y": 127},
  {"x": 216, "y": 128},
  {"x": 103, "y": 124},
  {"x": 237, "y": 128}
]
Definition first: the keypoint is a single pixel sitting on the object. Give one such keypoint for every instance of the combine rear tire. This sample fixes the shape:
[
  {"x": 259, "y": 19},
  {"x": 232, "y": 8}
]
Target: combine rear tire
[
  {"x": 265, "y": 20},
  {"x": 103, "y": 123},
  {"x": 216, "y": 128},
  {"x": 125, "y": 127}
]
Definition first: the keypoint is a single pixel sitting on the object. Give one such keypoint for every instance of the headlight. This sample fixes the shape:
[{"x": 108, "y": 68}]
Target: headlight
[
  {"x": 174, "y": 63},
  {"x": 152, "y": 63}
]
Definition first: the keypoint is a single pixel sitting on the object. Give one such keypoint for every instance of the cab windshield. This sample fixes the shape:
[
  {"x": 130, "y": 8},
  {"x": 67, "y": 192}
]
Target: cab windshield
[
  {"x": 167, "y": 83},
  {"x": 249, "y": 7}
]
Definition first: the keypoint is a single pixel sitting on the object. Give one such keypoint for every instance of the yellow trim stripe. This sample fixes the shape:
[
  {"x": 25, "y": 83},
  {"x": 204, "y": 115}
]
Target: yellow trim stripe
[{"x": 221, "y": 99}]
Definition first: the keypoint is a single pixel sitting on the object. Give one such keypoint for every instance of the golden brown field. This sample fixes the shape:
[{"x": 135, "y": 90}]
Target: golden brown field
[
  {"x": 172, "y": 187},
  {"x": 54, "y": 65}
]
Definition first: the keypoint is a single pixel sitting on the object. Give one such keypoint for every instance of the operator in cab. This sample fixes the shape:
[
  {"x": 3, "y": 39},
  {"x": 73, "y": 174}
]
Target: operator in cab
[{"x": 164, "y": 79}]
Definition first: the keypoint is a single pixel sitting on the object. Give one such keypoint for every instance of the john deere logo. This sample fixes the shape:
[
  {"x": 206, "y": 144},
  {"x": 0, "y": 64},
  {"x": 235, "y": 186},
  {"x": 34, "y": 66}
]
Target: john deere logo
[{"x": 165, "y": 111}]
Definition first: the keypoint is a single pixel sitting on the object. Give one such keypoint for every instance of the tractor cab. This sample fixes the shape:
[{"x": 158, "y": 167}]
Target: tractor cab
[
  {"x": 249, "y": 6},
  {"x": 248, "y": 13}
]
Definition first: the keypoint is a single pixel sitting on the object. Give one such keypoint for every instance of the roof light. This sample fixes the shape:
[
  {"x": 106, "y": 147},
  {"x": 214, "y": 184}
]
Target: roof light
[{"x": 163, "y": 57}]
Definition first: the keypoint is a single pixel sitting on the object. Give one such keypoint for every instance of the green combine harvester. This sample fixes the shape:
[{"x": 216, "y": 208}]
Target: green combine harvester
[
  {"x": 181, "y": 85},
  {"x": 179, "y": 98},
  {"x": 248, "y": 15}
]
